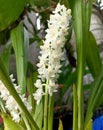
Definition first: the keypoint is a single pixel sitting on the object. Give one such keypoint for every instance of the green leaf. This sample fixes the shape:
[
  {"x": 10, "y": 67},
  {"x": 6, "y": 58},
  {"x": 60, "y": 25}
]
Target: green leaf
[
  {"x": 93, "y": 58},
  {"x": 40, "y": 2},
  {"x": 81, "y": 15},
  {"x": 96, "y": 93},
  {"x": 60, "y": 125},
  {"x": 9, "y": 124},
  {"x": 6, "y": 55},
  {"x": 20, "y": 42},
  {"x": 31, "y": 89},
  {"x": 4, "y": 77},
  {"x": 38, "y": 116},
  {"x": 65, "y": 2},
  {"x": 67, "y": 80},
  {"x": 3, "y": 37},
  {"x": 80, "y": 44},
  {"x": 10, "y": 11}
]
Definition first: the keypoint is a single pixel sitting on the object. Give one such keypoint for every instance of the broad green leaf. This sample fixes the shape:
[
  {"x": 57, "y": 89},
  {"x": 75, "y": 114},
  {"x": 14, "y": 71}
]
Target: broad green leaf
[
  {"x": 40, "y": 2},
  {"x": 10, "y": 11},
  {"x": 9, "y": 124},
  {"x": 93, "y": 58},
  {"x": 60, "y": 125},
  {"x": 4, "y": 77},
  {"x": 20, "y": 42}
]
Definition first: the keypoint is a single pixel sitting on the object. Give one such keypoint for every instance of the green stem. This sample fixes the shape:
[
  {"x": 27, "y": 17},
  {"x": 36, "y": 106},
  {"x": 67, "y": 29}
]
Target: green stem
[
  {"x": 46, "y": 108},
  {"x": 80, "y": 98},
  {"x": 75, "y": 109},
  {"x": 50, "y": 112}
]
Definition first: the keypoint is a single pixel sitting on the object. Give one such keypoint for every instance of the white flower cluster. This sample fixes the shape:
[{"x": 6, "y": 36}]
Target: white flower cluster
[
  {"x": 52, "y": 51},
  {"x": 10, "y": 103}
]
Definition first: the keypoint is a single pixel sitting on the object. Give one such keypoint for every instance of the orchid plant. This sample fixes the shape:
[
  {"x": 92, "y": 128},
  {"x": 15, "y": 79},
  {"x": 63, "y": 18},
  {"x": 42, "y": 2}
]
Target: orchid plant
[{"x": 27, "y": 102}]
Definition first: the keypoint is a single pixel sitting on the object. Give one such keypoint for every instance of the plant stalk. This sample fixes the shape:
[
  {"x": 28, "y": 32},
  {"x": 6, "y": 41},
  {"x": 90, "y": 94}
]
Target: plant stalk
[
  {"x": 50, "y": 112},
  {"x": 75, "y": 109},
  {"x": 46, "y": 108}
]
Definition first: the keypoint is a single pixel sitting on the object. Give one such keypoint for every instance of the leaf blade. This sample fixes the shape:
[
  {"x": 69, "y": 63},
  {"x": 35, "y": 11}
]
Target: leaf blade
[{"x": 10, "y": 11}]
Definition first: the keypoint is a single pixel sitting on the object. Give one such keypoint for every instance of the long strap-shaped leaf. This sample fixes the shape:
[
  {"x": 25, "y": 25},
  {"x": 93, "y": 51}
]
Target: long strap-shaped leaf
[
  {"x": 93, "y": 58},
  {"x": 95, "y": 96},
  {"x": 20, "y": 45},
  {"x": 81, "y": 12},
  {"x": 4, "y": 77}
]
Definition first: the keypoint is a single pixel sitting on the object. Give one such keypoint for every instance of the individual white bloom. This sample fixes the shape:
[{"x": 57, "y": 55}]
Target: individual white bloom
[
  {"x": 11, "y": 103},
  {"x": 17, "y": 87},
  {"x": 16, "y": 116},
  {"x": 38, "y": 84},
  {"x": 38, "y": 95},
  {"x": 59, "y": 8},
  {"x": 52, "y": 51},
  {"x": 25, "y": 101},
  {"x": 12, "y": 78},
  {"x": 52, "y": 87},
  {"x": 4, "y": 93}
]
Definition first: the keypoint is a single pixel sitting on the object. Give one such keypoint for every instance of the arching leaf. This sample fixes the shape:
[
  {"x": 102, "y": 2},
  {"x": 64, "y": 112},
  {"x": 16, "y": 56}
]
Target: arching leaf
[{"x": 10, "y": 11}]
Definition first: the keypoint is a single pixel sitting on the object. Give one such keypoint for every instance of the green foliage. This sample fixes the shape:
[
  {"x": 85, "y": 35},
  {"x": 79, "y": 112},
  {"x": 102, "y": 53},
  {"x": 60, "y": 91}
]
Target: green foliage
[
  {"x": 44, "y": 3},
  {"x": 81, "y": 12},
  {"x": 6, "y": 55},
  {"x": 4, "y": 77},
  {"x": 89, "y": 126},
  {"x": 94, "y": 64},
  {"x": 9, "y": 124},
  {"x": 10, "y": 11},
  {"x": 87, "y": 54},
  {"x": 38, "y": 116},
  {"x": 31, "y": 88},
  {"x": 96, "y": 93},
  {"x": 20, "y": 44}
]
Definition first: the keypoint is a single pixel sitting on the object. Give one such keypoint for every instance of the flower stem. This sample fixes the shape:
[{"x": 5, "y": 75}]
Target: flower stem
[
  {"x": 80, "y": 94},
  {"x": 46, "y": 108},
  {"x": 50, "y": 112},
  {"x": 75, "y": 108}
]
